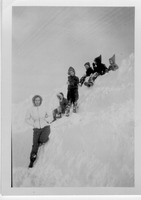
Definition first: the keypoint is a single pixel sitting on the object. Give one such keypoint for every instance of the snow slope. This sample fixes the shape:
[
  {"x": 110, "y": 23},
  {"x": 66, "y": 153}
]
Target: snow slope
[{"x": 94, "y": 147}]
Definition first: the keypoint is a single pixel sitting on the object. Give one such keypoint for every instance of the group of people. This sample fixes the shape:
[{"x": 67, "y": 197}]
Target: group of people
[
  {"x": 98, "y": 69},
  {"x": 37, "y": 116},
  {"x": 73, "y": 83}
]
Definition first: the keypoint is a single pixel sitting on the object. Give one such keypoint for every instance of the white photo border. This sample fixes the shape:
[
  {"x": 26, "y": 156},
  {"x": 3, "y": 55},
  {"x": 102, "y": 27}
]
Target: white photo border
[{"x": 6, "y": 100}]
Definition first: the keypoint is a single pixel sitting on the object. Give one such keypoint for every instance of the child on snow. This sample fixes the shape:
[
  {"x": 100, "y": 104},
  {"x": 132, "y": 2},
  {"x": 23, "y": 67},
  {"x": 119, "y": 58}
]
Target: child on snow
[
  {"x": 57, "y": 113},
  {"x": 99, "y": 67},
  {"x": 113, "y": 66},
  {"x": 72, "y": 94},
  {"x": 37, "y": 118},
  {"x": 89, "y": 71}
]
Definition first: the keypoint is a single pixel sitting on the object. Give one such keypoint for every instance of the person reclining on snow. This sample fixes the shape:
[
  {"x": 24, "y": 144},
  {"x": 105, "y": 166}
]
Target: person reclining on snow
[
  {"x": 99, "y": 67},
  {"x": 37, "y": 117},
  {"x": 89, "y": 71},
  {"x": 57, "y": 113},
  {"x": 72, "y": 94},
  {"x": 113, "y": 66}
]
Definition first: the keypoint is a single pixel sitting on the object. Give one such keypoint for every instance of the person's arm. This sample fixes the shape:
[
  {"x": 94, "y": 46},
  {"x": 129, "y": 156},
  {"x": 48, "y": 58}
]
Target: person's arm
[
  {"x": 77, "y": 80},
  {"x": 47, "y": 118},
  {"x": 29, "y": 120},
  {"x": 82, "y": 79}
]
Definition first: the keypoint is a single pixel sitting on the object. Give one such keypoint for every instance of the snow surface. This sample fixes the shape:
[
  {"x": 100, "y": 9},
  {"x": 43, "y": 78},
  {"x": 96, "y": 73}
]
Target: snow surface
[{"x": 93, "y": 148}]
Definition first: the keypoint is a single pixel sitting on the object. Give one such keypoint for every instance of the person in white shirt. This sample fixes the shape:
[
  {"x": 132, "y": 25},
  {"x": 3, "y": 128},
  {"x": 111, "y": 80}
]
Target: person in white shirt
[{"x": 37, "y": 117}]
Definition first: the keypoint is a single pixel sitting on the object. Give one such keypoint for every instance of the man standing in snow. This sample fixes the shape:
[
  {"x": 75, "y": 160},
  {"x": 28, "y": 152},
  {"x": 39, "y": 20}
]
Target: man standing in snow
[
  {"x": 72, "y": 95},
  {"x": 37, "y": 118}
]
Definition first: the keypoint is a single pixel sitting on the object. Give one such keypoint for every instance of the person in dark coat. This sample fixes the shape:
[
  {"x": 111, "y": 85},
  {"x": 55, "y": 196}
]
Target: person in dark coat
[
  {"x": 99, "y": 67},
  {"x": 113, "y": 66},
  {"x": 63, "y": 102},
  {"x": 72, "y": 94},
  {"x": 89, "y": 71}
]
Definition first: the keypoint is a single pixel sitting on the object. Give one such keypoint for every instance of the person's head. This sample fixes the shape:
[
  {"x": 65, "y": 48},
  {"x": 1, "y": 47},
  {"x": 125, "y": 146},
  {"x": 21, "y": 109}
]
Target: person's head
[
  {"x": 60, "y": 96},
  {"x": 87, "y": 65},
  {"x": 37, "y": 100},
  {"x": 111, "y": 61},
  {"x": 97, "y": 60},
  {"x": 71, "y": 71}
]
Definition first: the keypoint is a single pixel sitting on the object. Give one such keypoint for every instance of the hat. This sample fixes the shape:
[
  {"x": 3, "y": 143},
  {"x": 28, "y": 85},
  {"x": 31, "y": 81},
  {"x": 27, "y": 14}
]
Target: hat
[
  {"x": 71, "y": 69},
  {"x": 60, "y": 94},
  {"x": 112, "y": 58},
  {"x": 98, "y": 59},
  {"x": 87, "y": 63}
]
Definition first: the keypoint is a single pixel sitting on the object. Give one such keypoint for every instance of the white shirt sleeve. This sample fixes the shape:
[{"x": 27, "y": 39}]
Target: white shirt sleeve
[{"x": 28, "y": 119}]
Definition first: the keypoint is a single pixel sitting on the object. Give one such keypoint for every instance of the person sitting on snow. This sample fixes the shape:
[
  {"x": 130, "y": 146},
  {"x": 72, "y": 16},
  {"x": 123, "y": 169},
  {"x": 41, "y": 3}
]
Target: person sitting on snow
[
  {"x": 99, "y": 67},
  {"x": 37, "y": 117},
  {"x": 113, "y": 66},
  {"x": 57, "y": 113},
  {"x": 89, "y": 71},
  {"x": 72, "y": 94}
]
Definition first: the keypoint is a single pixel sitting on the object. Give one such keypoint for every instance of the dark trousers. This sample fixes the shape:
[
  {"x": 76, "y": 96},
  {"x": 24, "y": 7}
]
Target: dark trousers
[
  {"x": 39, "y": 136},
  {"x": 72, "y": 95}
]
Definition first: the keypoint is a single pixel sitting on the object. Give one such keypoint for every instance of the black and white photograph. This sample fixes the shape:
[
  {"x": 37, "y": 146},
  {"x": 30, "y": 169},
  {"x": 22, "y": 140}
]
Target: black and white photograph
[{"x": 72, "y": 97}]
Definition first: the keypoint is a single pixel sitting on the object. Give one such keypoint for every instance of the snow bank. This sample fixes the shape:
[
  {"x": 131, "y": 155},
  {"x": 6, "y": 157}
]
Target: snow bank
[{"x": 93, "y": 148}]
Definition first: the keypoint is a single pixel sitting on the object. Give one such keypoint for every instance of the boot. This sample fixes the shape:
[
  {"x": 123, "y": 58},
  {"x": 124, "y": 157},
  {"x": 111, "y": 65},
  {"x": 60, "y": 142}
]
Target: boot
[
  {"x": 75, "y": 106},
  {"x": 32, "y": 159},
  {"x": 67, "y": 113}
]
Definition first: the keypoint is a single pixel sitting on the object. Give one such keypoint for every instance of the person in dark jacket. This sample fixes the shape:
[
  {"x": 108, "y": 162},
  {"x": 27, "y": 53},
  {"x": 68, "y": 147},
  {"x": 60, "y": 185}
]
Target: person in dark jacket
[
  {"x": 113, "y": 66},
  {"x": 63, "y": 102},
  {"x": 99, "y": 67},
  {"x": 72, "y": 94},
  {"x": 89, "y": 71}
]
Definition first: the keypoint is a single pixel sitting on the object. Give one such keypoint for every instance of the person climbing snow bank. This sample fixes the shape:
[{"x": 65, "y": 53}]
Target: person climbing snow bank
[
  {"x": 72, "y": 94},
  {"x": 89, "y": 71},
  {"x": 37, "y": 118},
  {"x": 113, "y": 66},
  {"x": 98, "y": 69},
  {"x": 58, "y": 112}
]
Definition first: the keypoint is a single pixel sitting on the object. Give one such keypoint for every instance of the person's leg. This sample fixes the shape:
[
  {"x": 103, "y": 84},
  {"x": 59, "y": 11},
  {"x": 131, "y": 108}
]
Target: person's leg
[
  {"x": 67, "y": 111},
  {"x": 68, "y": 108},
  {"x": 75, "y": 99},
  {"x": 35, "y": 146},
  {"x": 44, "y": 136},
  {"x": 55, "y": 111}
]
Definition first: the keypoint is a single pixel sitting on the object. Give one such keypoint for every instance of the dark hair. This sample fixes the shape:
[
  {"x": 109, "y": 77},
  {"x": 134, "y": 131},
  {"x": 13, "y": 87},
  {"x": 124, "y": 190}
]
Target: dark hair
[
  {"x": 37, "y": 96},
  {"x": 87, "y": 63},
  {"x": 62, "y": 94}
]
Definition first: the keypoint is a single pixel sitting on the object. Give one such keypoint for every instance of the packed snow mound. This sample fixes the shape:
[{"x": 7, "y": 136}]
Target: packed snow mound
[{"x": 93, "y": 148}]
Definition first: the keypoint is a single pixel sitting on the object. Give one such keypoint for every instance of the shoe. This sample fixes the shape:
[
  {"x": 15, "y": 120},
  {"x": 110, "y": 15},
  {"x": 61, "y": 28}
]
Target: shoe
[
  {"x": 67, "y": 112},
  {"x": 30, "y": 165},
  {"x": 88, "y": 84},
  {"x": 32, "y": 159},
  {"x": 74, "y": 110}
]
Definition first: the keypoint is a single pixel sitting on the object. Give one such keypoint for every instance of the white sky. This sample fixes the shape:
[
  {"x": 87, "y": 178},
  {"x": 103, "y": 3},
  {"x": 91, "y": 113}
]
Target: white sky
[{"x": 47, "y": 40}]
